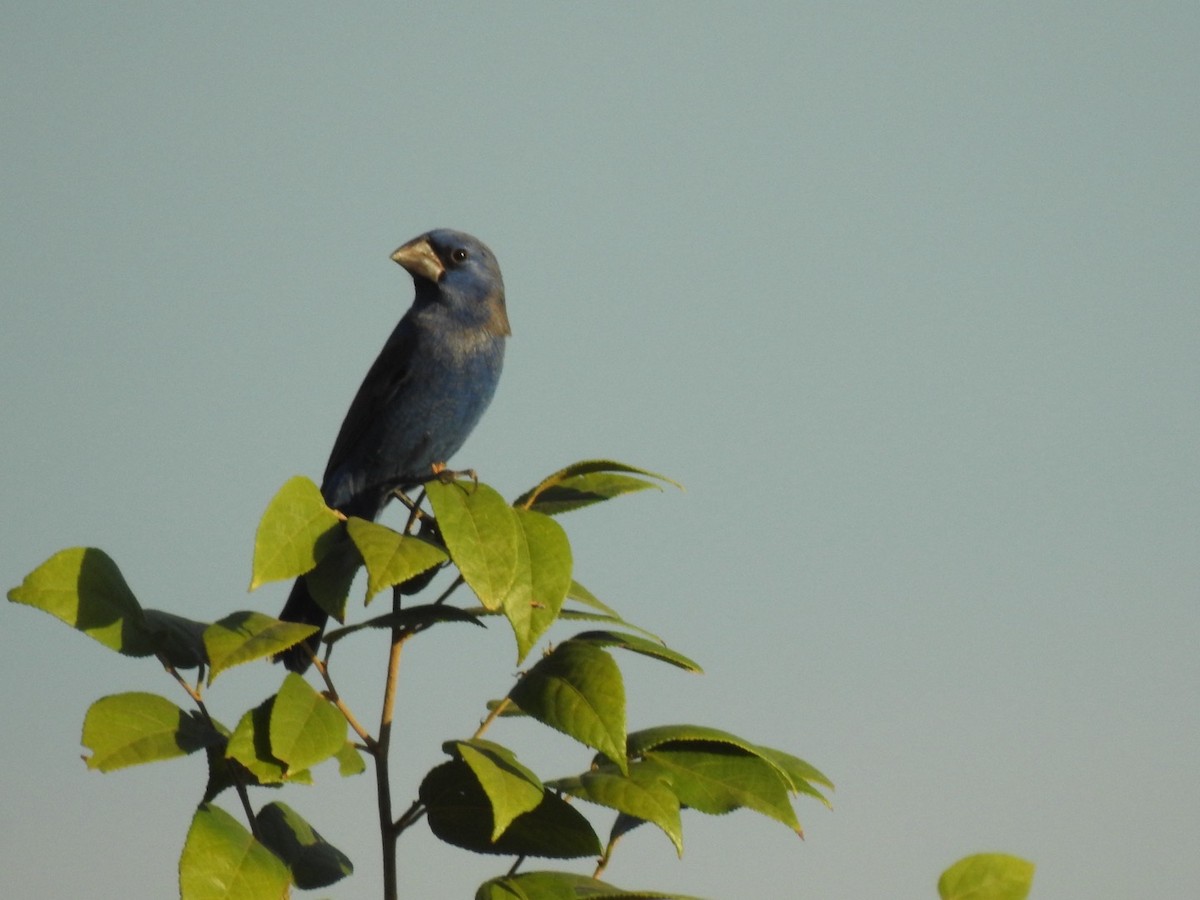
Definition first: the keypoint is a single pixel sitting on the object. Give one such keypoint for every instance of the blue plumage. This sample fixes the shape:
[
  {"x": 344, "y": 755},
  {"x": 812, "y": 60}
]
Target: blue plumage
[{"x": 424, "y": 394}]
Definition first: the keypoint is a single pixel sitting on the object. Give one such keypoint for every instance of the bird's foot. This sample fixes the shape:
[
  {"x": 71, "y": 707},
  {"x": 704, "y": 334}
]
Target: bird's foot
[{"x": 445, "y": 476}]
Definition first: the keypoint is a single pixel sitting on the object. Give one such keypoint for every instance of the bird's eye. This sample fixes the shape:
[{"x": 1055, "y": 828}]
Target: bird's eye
[{"x": 458, "y": 254}]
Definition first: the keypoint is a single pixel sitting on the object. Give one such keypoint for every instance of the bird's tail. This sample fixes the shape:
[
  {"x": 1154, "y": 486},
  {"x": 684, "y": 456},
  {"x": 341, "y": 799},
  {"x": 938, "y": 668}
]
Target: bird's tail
[{"x": 301, "y": 607}]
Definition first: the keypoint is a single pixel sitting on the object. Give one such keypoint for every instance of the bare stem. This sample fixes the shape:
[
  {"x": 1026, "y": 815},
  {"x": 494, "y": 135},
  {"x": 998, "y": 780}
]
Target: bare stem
[
  {"x": 387, "y": 828},
  {"x": 332, "y": 695},
  {"x": 492, "y": 716},
  {"x": 235, "y": 773}
]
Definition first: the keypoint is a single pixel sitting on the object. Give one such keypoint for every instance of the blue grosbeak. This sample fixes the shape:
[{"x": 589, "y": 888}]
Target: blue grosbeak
[{"x": 431, "y": 383}]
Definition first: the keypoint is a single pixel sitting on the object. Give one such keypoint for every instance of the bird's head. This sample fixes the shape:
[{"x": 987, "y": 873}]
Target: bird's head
[{"x": 459, "y": 272}]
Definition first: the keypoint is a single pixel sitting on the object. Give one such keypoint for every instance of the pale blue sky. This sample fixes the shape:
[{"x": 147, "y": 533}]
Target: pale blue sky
[{"x": 907, "y": 295}]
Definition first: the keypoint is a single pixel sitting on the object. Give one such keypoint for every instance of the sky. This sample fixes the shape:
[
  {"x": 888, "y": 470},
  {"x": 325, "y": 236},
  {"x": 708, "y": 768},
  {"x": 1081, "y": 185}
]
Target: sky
[{"x": 906, "y": 295}]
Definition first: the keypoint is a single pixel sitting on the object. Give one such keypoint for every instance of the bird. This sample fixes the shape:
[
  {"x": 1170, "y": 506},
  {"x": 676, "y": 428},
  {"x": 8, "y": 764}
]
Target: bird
[{"x": 426, "y": 391}]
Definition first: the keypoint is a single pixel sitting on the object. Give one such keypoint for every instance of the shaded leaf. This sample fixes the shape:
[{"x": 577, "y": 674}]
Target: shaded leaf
[
  {"x": 250, "y": 747},
  {"x": 294, "y": 533},
  {"x": 133, "y": 728},
  {"x": 987, "y": 876},
  {"x": 330, "y": 582},
  {"x": 314, "y": 861},
  {"x": 410, "y": 617},
  {"x": 305, "y": 727},
  {"x": 575, "y": 615},
  {"x": 577, "y": 689},
  {"x": 460, "y": 813},
  {"x": 511, "y": 788},
  {"x": 638, "y": 645},
  {"x": 222, "y": 861},
  {"x": 244, "y": 636},
  {"x": 83, "y": 587},
  {"x": 584, "y": 483},
  {"x": 562, "y": 886},
  {"x": 180, "y": 641},
  {"x": 391, "y": 557},
  {"x": 482, "y": 535}
]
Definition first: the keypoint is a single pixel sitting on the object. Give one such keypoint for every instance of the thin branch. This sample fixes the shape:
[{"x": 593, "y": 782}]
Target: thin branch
[
  {"x": 491, "y": 717},
  {"x": 411, "y": 816},
  {"x": 387, "y": 830},
  {"x": 332, "y": 695},
  {"x": 235, "y": 774}
]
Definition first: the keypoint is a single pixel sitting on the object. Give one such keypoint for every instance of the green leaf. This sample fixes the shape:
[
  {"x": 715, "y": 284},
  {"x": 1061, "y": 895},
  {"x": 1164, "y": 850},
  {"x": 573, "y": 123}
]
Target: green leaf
[
  {"x": 330, "y": 582},
  {"x": 410, "y": 617},
  {"x": 314, "y": 862},
  {"x": 511, "y": 788},
  {"x": 542, "y": 579},
  {"x": 180, "y": 641},
  {"x": 130, "y": 729},
  {"x": 83, "y": 587},
  {"x": 391, "y": 557},
  {"x": 584, "y": 483},
  {"x": 796, "y": 773},
  {"x": 562, "y": 886},
  {"x": 580, "y": 594},
  {"x": 250, "y": 747},
  {"x": 350, "y": 761},
  {"x": 294, "y": 533},
  {"x": 577, "y": 689},
  {"x": 645, "y": 793},
  {"x": 460, "y": 813},
  {"x": 243, "y": 636},
  {"x": 638, "y": 645},
  {"x": 717, "y": 778},
  {"x": 799, "y": 774},
  {"x": 222, "y": 861},
  {"x": 305, "y": 727},
  {"x": 987, "y": 876},
  {"x": 482, "y": 534}
]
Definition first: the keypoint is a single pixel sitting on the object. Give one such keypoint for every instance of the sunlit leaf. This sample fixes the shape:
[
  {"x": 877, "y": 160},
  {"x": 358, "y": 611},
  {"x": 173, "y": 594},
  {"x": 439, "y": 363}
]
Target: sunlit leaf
[
  {"x": 510, "y": 787},
  {"x": 83, "y": 587},
  {"x": 350, "y": 761},
  {"x": 250, "y": 747},
  {"x": 482, "y": 535},
  {"x": 243, "y": 636},
  {"x": 541, "y": 581},
  {"x": 790, "y": 768},
  {"x": 584, "y": 483},
  {"x": 717, "y": 778},
  {"x": 645, "y": 793},
  {"x": 987, "y": 876},
  {"x": 460, "y": 813},
  {"x": 305, "y": 727},
  {"x": 391, "y": 557},
  {"x": 222, "y": 861},
  {"x": 133, "y": 728},
  {"x": 638, "y": 645},
  {"x": 578, "y": 690},
  {"x": 294, "y": 533}
]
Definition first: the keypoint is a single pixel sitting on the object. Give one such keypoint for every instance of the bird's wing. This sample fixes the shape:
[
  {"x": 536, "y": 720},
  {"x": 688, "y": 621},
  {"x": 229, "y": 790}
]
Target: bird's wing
[{"x": 387, "y": 376}]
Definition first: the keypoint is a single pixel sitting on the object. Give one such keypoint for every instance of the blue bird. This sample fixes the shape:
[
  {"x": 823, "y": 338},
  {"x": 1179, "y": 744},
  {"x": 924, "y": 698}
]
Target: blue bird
[{"x": 424, "y": 394}]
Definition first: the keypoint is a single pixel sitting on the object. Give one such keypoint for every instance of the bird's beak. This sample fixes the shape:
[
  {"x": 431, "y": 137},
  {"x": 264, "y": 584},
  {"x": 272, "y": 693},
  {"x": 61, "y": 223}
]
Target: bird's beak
[{"x": 418, "y": 257}]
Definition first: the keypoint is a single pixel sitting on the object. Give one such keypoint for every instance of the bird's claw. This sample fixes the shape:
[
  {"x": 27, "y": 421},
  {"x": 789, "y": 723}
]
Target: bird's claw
[{"x": 446, "y": 476}]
